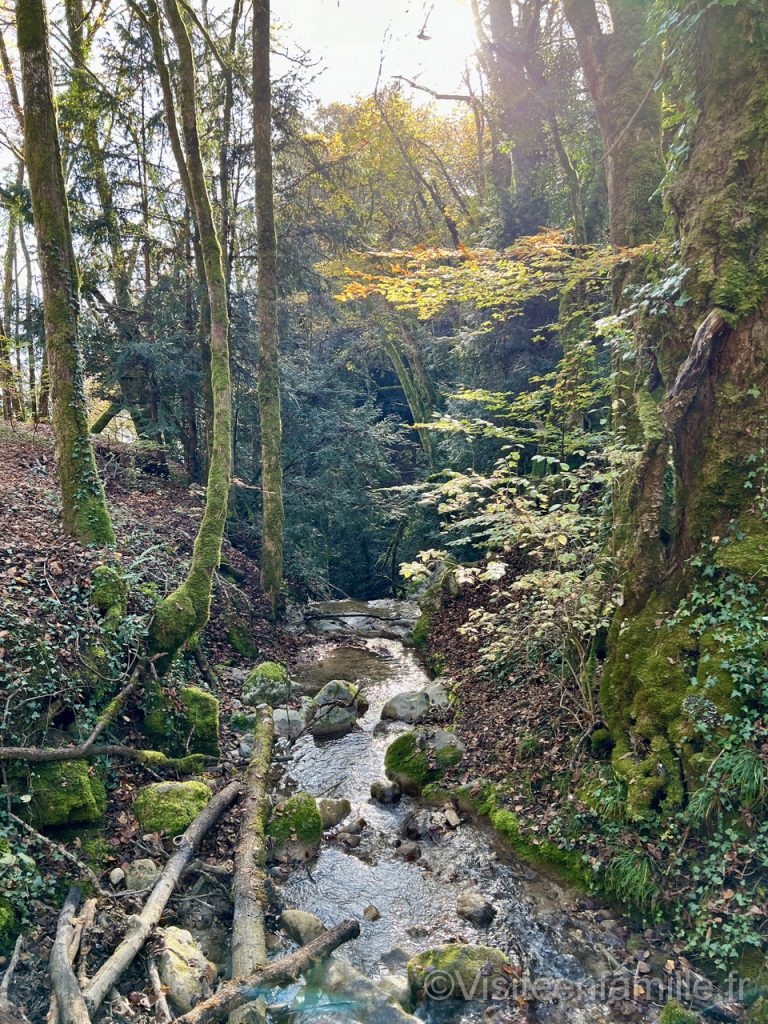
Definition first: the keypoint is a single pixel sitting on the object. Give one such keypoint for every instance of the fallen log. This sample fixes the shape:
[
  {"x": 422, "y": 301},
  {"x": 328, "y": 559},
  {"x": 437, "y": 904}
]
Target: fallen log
[
  {"x": 249, "y": 945},
  {"x": 150, "y": 758},
  {"x": 141, "y": 925},
  {"x": 277, "y": 973},
  {"x": 10, "y": 1013},
  {"x": 69, "y": 998}
]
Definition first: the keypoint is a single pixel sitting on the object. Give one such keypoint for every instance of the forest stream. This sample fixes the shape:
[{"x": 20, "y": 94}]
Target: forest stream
[{"x": 416, "y": 901}]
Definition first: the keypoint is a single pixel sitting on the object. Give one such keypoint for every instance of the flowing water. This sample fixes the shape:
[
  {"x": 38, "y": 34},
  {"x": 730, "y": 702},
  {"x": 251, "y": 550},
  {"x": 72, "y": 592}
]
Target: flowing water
[{"x": 416, "y": 901}]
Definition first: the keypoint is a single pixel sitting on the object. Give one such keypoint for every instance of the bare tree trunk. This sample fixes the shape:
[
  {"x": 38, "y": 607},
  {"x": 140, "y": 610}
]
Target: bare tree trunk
[
  {"x": 273, "y": 525},
  {"x": 84, "y": 506}
]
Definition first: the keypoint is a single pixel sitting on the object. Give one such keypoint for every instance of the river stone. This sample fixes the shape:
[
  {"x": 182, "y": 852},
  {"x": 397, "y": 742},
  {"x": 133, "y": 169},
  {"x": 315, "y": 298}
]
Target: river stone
[
  {"x": 420, "y": 757},
  {"x": 301, "y": 926},
  {"x": 459, "y": 972},
  {"x": 475, "y": 909},
  {"x": 410, "y": 706},
  {"x": 141, "y": 874},
  {"x": 288, "y": 724},
  {"x": 116, "y": 876},
  {"x": 333, "y": 812},
  {"x": 416, "y": 825},
  {"x": 185, "y": 972},
  {"x": 295, "y": 828},
  {"x": 371, "y": 913},
  {"x": 385, "y": 792},
  {"x": 335, "y": 709},
  {"x": 268, "y": 683},
  {"x": 349, "y": 839},
  {"x": 408, "y": 851},
  {"x": 396, "y": 986},
  {"x": 344, "y": 984}
]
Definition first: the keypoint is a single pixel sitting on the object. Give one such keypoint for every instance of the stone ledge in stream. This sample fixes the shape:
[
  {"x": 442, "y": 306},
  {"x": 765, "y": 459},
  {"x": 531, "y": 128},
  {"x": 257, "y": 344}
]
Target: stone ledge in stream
[
  {"x": 420, "y": 757},
  {"x": 414, "y": 705}
]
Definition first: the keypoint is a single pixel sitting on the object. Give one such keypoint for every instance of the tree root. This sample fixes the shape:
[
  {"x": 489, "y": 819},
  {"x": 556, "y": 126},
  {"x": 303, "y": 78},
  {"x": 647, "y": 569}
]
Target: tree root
[{"x": 69, "y": 998}]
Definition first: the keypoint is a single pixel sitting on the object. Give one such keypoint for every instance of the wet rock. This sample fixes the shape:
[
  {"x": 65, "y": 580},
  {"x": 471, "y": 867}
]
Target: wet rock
[
  {"x": 349, "y": 839},
  {"x": 356, "y": 827},
  {"x": 335, "y": 709},
  {"x": 417, "y": 825},
  {"x": 141, "y": 874},
  {"x": 268, "y": 683},
  {"x": 333, "y": 812},
  {"x": 475, "y": 909},
  {"x": 397, "y": 957},
  {"x": 117, "y": 876},
  {"x": 344, "y": 984},
  {"x": 288, "y": 724},
  {"x": 408, "y": 851},
  {"x": 396, "y": 987},
  {"x": 459, "y": 971},
  {"x": 451, "y": 817},
  {"x": 245, "y": 747},
  {"x": 301, "y": 926},
  {"x": 437, "y": 691},
  {"x": 410, "y": 706},
  {"x": 371, "y": 913},
  {"x": 385, "y": 792},
  {"x": 184, "y": 970}
]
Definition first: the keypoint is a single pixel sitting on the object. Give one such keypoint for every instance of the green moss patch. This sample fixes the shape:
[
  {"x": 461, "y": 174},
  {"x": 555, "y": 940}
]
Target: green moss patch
[
  {"x": 170, "y": 807},
  {"x": 190, "y": 726},
  {"x": 296, "y": 827},
  {"x": 66, "y": 793},
  {"x": 458, "y": 971},
  {"x": 269, "y": 683},
  {"x": 414, "y": 762},
  {"x": 201, "y": 720},
  {"x": 109, "y": 593},
  {"x": 673, "y": 1013}
]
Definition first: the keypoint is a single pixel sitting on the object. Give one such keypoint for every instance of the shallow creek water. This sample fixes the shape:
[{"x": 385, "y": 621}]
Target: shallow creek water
[{"x": 417, "y": 901}]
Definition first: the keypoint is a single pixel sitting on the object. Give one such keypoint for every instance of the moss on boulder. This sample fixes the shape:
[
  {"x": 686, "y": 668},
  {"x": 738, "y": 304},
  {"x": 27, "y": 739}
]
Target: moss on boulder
[
  {"x": 268, "y": 683},
  {"x": 420, "y": 757},
  {"x": 170, "y": 807},
  {"x": 335, "y": 709},
  {"x": 9, "y": 926},
  {"x": 66, "y": 793},
  {"x": 296, "y": 828},
  {"x": 189, "y": 725},
  {"x": 459, "y": 971}
]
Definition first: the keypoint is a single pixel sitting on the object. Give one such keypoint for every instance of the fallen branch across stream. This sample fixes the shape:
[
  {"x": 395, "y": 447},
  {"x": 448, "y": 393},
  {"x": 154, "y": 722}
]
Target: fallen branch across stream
[{"x": 277, "y": 973}]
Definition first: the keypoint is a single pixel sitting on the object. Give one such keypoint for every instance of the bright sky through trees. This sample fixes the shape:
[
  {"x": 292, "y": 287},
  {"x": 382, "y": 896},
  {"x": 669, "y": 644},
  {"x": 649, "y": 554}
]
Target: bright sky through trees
[{"x": 347, "y": 37}]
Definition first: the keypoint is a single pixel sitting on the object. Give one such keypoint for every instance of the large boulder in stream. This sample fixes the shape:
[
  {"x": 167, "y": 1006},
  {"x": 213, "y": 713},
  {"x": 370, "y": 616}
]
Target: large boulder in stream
[
  {"x": 421, "y": 757},
  {"x": 458, "y": 971},
  {"x": 301, "y": 926},
  {"x": 413, "y": 705},
  {"x": 335, "y": 709}
]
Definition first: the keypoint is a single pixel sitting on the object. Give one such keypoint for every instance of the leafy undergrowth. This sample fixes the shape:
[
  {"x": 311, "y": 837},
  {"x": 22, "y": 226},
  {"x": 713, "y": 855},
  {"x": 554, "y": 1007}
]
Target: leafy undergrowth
[
  {"x": 540, "y": 769},
  {"x": 61, "y": 662}
]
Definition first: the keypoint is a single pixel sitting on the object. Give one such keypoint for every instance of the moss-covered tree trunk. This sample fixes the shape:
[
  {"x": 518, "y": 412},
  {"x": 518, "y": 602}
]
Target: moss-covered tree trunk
[
  {"x": 700, "y": 516},
  {"x": 84, "y": 507},
  {"x": 269, "y": 349},
  {"x": 183, "y": 613}
]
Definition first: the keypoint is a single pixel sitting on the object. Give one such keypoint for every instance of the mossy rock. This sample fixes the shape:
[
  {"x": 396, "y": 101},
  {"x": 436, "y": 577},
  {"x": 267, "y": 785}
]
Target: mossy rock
[
  {"x": 420, "y": 757},
  {"x": 296, "y": 828},
  {"x": 601, "y": 743},
  {"x": 758, "y": 1011},
  {"x": 459, "y": 971},
  {"x": 192, "y": 727},
  {"x": 170, "y": 807},
  {"x": 674, "y": 1013},
  {"x": 65, "y": 793},
  {"x": 269, "y": 683},
  {"x": 109, "y": 593},
  {"x": 335, "y": 709},
  {"x": 9, "y": 926}
]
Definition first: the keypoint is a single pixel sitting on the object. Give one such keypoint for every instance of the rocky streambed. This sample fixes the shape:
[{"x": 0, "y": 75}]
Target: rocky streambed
[{"x": 444, "y": 908}]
